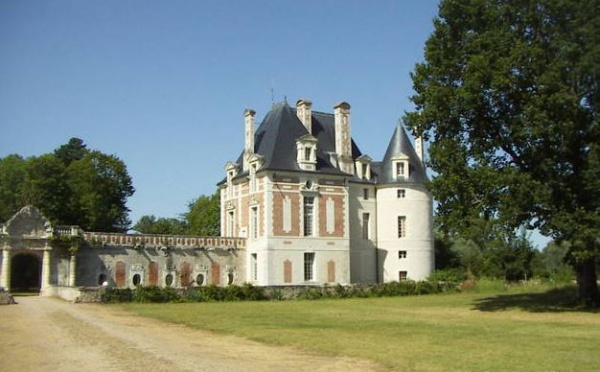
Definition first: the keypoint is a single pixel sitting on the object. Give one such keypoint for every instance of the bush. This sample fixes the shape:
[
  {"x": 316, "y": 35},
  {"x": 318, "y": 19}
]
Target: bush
[
  {"x": 155, "y": 294},
  {"x": 114, "y": 295}
]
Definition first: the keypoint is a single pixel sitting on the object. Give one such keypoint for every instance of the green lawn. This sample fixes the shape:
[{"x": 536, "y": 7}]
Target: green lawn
[{"x": 509, "y": 331}]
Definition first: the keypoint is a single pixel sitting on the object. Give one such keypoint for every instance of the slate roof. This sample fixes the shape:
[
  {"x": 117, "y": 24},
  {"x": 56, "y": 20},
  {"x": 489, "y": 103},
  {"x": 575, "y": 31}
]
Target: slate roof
[
  {"x": 275, "y": 140},
  {"x": 400, "y": 145}
]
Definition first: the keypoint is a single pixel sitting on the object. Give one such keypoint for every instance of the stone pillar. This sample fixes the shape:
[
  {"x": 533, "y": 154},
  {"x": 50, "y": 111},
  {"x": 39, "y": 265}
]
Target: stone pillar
[
  {"x": 45, "y": 282},
  {"x": 5, "y": 278},
  {"x": 72, "y": 270}
]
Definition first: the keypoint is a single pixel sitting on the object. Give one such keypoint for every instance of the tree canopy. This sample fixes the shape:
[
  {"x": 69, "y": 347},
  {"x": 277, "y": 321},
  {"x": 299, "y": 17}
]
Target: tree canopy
[
  {"x": 508, "y": 99},
  {"x": 201, "y": 219},
  {"x": 72, "y": 186}
]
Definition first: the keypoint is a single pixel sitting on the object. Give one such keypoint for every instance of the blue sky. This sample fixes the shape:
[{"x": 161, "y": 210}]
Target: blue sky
[{"x": 163, "y": 84}]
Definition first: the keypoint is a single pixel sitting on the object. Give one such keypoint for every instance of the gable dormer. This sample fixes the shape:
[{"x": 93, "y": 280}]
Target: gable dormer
[
  {"x": 232, "y": 170},
  {"x": 306, "y": 152},
  {"x": 255, "y": 162},
  {"x": 363, "y": 167},
  {"x": 400, "y": 167}
]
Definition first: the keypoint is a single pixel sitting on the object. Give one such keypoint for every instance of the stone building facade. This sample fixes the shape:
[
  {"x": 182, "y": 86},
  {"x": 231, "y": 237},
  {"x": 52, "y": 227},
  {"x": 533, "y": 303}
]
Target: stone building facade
[
  {"x": 58, "y": 260},
  {"x": 302, "y": 205},
  {"x": 315, "y": 210}
]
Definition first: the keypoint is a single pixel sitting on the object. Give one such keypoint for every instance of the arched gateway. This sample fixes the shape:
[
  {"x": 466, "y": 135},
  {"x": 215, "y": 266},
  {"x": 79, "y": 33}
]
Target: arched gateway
[{"x": 25, "y": 260}]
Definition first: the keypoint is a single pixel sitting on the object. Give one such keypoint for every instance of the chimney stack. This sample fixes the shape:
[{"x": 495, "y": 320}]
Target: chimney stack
[
  {"x": 343, "y": 139},
  {"x": 304, "y": 113},
  {"x": 249, "y": 138},
  {"x": 420, "y": 149}
]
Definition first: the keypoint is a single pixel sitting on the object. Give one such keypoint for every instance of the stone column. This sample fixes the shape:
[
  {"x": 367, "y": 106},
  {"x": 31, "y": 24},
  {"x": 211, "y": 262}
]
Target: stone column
[
  {"x": 46, "y": 269},
  {"x": 5, "y": 278},
  {"x": 72, "y": 270}
]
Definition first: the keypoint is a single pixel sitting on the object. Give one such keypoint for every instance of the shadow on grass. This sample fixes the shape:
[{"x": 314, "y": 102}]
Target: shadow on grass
[{"x": 555, "y": 300}]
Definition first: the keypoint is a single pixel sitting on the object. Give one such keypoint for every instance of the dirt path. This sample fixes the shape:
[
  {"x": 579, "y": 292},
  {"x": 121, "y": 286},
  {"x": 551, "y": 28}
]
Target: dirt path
[{"x": 45, "y": 334}]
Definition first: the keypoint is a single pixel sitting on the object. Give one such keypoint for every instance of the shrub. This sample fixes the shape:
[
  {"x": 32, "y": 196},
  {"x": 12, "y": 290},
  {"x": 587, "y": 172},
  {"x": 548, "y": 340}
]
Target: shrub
[
  {"x": 155, "y": 294},
  {"x": 113, "y": 295}
]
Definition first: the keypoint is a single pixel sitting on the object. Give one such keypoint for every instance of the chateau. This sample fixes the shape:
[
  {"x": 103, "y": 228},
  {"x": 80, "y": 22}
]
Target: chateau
[
  {"x": 301, "y": 205},
  {"x": 314, "y": 209}
]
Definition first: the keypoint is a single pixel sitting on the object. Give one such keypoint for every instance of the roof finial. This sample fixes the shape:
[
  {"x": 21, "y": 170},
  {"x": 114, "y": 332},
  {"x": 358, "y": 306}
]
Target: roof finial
[{"x": 272, "y": 93}]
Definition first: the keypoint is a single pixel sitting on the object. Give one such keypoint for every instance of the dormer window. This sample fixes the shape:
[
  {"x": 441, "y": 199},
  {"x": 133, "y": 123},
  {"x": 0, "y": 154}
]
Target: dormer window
[
  {"x": 401, "y": 169},
  {"x": 308, "y": 153},
  {"x": 363, "y": 167},
  {"x": 306, "y": 147},
  {"x": 232, "y": 170},
  {"x": 255, "y": 162}
]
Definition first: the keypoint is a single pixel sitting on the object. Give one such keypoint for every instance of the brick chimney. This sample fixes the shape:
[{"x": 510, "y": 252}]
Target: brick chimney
[
  {"x": 304, "y": 113},
  {"x": 249, "y": 136},
  {"x": 343, "y": 138}
]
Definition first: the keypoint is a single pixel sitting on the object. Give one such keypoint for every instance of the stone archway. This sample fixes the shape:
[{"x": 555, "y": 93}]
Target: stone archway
[{"x": 25, "y": 273}]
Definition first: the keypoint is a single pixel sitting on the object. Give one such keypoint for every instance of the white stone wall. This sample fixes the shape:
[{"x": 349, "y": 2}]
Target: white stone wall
[
  {"x": 416, "y": 206},
  {"x": 363, "y": 252},
  {"x": 272, "y": 255}
]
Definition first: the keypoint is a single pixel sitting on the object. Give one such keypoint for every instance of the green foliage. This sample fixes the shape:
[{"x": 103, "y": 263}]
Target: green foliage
[
  {"x": 72, "y": 186},
  {"x": 100, "y": 186},
  {"x": 155, "y": 294},
  {"x": 248, "y": 292},
  {"x": 508, "y": 98},
  {"x": 163, "y": 226},
  {"x": 13, "y": 173},
  {"x": 74, "y": 150},
  {"x": 551, "y": 263},
  {"x": 454, "y": 276},
  {"x": 116, "y": 295},
  {"x": 66, "y": 245},
  {"x": 203, "y": 216}
]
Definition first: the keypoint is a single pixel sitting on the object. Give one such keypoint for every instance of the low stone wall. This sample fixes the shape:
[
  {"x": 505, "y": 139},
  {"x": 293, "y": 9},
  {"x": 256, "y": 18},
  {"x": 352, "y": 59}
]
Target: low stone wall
[{"x": 66, "y": 293}]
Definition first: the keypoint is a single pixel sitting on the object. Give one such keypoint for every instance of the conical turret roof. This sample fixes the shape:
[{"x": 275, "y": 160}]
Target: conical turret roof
[{"x": 400, "y": 146}]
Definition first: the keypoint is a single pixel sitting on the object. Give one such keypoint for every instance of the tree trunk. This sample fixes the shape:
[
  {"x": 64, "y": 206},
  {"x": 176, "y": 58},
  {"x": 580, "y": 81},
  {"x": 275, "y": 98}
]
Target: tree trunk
[{"x": 587, "y": 282}]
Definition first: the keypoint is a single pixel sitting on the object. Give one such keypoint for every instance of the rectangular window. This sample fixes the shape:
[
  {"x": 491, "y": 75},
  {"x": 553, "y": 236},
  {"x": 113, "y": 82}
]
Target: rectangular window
[
  {"x": 366, "y": 194},
  {"x": 309, "y": 206},
  {"x": 307, "y": 153},
  {"x": 402, "y": 276},
  {"x": 253, "y": 267},
  {"x": 365, "y": 227},
  {"x": 253, "y": 178},
  {"x": 399, "y": 169},
  {"x": 401, "y": 226},
  {"x": 254, "y": 222},
  {"x": 230, "y": 223},
  {"x": 401, "y": 254},
  {"x": 401, "y": 193},
  {"x": 309, "y": 266}
]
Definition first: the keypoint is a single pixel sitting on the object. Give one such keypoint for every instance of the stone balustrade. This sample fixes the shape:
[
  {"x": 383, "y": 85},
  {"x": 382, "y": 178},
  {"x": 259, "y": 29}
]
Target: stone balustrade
[
  {"x": 148, "y": 240},
  {"x": 171, "y": 241}
]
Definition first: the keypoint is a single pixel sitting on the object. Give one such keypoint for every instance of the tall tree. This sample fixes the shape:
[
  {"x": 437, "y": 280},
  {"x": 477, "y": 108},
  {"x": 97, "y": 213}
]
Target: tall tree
[
  {"x": 100, "y": 186},
  {"x": 46, "y": 187},
  {"x": 75, "y": 149},
  {"x": 164, "y": 226},
  {"x": 203, "y": 216},
  {"x": 508, "y": 98},
  {"x": 13, "y": 173}
]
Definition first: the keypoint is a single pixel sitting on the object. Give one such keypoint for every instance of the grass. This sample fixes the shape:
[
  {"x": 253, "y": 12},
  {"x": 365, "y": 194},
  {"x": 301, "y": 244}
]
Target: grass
[{"x": 523, "y": 329}]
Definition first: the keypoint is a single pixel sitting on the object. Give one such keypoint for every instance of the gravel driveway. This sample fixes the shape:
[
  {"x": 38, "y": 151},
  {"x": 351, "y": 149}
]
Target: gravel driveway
[{"x": 47, "y": 334}]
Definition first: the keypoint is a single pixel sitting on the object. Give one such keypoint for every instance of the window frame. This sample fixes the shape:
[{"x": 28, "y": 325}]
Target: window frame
[
  {"x": 402, "y": 227},
  {"x": 309, "y": 266},
  {"x": 308, "y": 215}
]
